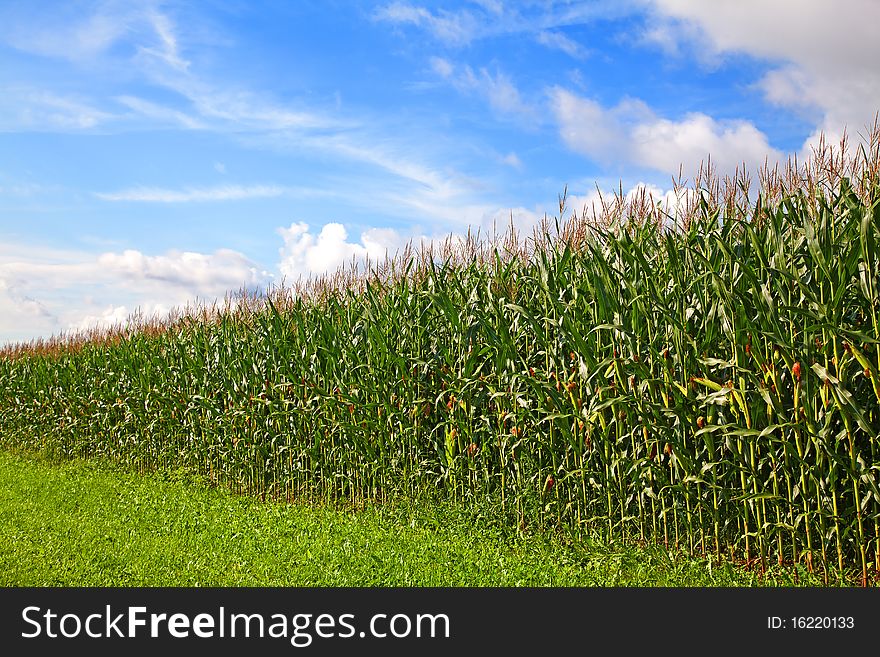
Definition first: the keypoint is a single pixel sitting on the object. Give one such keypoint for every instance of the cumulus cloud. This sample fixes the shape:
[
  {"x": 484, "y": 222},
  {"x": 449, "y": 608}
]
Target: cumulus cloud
[
  {"x": 631, "y": 133},
  {"x": 21, "y": 316},
  {"x": 825, "y": 54},
  {"x": 208, "y": 274},
  {"x": 305, "y": 254},
  {"x": 585, "y": 204},
  {"x": 110, "y": 316},
  {"x": 44, "y": 292},
  {"x": 589, "y": 204},
  {"x": 520, "y": 219}
]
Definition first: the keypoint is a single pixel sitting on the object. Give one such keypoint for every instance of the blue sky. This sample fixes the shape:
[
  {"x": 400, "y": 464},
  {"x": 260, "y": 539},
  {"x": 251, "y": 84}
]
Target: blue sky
[{"x": 152, "y": 153}]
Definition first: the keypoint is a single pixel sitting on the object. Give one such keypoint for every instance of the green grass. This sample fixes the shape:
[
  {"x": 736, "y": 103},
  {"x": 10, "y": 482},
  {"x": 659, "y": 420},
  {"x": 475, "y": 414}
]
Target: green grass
[{"x": 84, "y": 523}]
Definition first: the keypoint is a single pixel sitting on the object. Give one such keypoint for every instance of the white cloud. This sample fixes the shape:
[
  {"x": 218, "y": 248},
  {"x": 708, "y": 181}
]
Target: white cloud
[
  {"x": 442, "y": 67},
  {"x": 144, "y": 40},
  {"x": 153, "y": 46},
  {"x": 796, "y": 30},
  {"x": 110, "y": 316},
  {"x": 167, "y": 48},
  {"x": 23, "y": 189},
  {"x": 512, "y": 160},
  {"x": 825, "y": 54},
  {"x": 559, "y": 41},
  {"x": 305, "y": 254},
  {"x": 244, "y": 109},
  {"x": 663, "y": 36},
  {"x": 66, "y": 33},
  {"x": 502, "y": 94},
  {"x": 39, "y": 110},
  {"x": 188, "y": 195},
  {"x": 590, "y": 205},
  {"x": 498, "y": 89},
  {"x": 631, "y": 133},
  {"x": 673, "y": 203},
  {"x": 493, "y": 18},
  {"x": 44, "y": 292},
  {"x": 442, "y": 194},
  {"x": 150, "y": 110},
  {"x": 492, "y": 6},
  {"x": 23, "y": 317},
  {"x": 206, "y": 274},
  {"x": 453, "y": 28},
  {"x": 498, "y": 222},
  {"x": 230, "y": 107}
]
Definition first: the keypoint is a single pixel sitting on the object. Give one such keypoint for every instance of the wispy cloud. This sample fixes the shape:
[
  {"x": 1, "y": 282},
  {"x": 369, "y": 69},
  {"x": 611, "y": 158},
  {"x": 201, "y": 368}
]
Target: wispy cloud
[
  {"x": 66, "y": 31},
  {"x": 155, "y": 51},
  {"x": 141, "y": 41},
  {"x": 559, "y": 41},
  {"x": 47, "y": 111},
  {"x": 512, "y": 160},
  {"x": 442, "y": 67},
  {"x": 227, "y": 108},
  {"x": 190, "y": 195},
  {"x": 452, "y": 27},
  {"x": 23, "y": 189},
  {"x": 166, "y": 47},
  {"x": 492, "y": 6},
  {"x": 164, "y": 115},
  {"x": 491, "y": 18},
  {"x": 498, "y": 89}
]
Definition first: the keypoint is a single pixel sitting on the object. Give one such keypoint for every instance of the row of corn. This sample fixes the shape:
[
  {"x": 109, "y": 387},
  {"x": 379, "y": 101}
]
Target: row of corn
[{"x": 712, "y": 384}]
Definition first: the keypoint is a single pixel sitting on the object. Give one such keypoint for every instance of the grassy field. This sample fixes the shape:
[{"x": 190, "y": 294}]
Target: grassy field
[{"x": 82, "y": 523}]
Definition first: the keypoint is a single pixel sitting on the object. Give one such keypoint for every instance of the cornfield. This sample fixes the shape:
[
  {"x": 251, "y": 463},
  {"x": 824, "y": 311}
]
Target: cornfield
[{"x": 707, "y": 378}]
